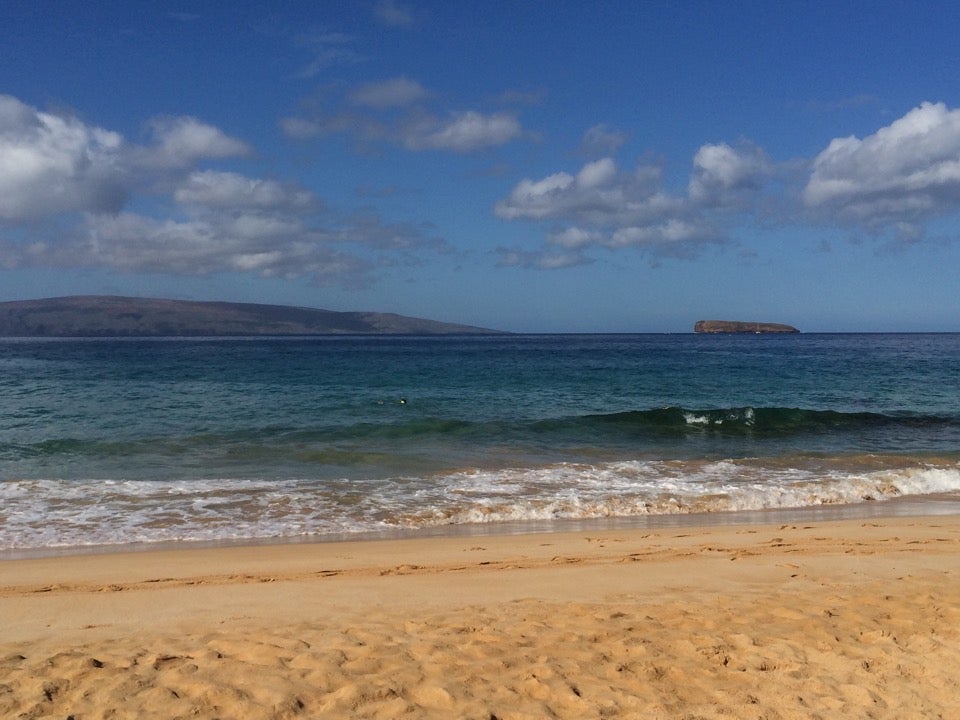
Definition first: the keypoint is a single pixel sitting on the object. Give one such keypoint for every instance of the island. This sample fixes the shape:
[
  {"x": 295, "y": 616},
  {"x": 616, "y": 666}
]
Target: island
[
  {"x": 112, "y": 316},
  {"x": 739, "y": 326}
]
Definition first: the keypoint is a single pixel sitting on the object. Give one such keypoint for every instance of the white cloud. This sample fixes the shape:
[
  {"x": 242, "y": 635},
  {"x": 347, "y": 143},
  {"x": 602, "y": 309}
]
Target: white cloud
[
  {"x": 597, "y": 174},
  {"x": 395, "y": 92},
  {"x": 540, "y": 259},
  {"x": 893, "y": 182},
  {"x": 268, "y": 246},
  {"x": 536, "y": 199},
  {"x": 181, "y": 142},
  {"x": 556, "y": 261},
  {"x": 396, "y": 111},
  {"x": 669, "y": 231},
  {"x": 574, "y": 237},
  {"x": 722, "y": 175},
  {"x": 603, "y": 207},
  {"x": 51, "y": 164},
  {"x": 64, "y": 187},
  {"x": 463, "y": 132},
  {"x": 224, "y": 190},
  {"x": 903, "y": 174},
  {"x": 597, "y": 196}
]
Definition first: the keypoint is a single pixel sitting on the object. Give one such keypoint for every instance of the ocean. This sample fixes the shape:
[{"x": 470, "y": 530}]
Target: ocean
[{"x": 121, "y": 442}]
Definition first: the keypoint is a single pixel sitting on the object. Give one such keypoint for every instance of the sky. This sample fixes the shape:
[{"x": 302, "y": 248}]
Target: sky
[{"x": 523, "y": 166}]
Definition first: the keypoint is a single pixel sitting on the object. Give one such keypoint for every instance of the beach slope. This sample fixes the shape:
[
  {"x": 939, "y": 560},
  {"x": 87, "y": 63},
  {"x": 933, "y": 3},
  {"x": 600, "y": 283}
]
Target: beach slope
[{"x": 853, "y": 618}]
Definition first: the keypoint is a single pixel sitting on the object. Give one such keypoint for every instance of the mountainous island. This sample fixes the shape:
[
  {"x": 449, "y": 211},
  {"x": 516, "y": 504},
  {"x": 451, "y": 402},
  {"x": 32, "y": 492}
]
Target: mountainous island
[
  {"x": 739, "y": 326},
  {"x": 110, "y": 316}
]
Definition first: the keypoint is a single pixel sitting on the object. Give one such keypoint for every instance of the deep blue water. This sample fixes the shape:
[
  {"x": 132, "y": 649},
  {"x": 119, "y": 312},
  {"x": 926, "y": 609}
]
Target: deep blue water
[{"x": 132, "y": 440}]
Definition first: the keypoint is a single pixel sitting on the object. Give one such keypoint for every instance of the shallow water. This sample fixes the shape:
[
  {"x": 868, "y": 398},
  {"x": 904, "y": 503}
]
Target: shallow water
[{"x": 145, "y": 441}]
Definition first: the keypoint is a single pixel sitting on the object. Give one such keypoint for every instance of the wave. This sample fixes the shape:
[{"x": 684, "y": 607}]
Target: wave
[
  {"x": 641, "y": 488},
  {"x": 323, "y": 444},
  {"x": 51, "y": 513},
  {"x": 672, "y": 420},
  {"x": 770, "y": 421}
]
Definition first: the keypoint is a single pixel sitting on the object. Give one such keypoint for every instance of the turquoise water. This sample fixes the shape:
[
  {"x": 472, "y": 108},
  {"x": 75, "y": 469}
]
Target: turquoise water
[{"x": 121, "y": 441}]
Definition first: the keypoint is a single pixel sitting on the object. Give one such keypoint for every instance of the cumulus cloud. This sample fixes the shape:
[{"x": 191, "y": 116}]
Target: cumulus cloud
[
  {"x": 670, "y": 231},
  {"x": 65, "y": 188},
  {"x": 225, "y": 190},
  {"x": 890, "y": 183},
  {"x": 537, "y": 199},
  {"x": 463, "y": 132},
  {"x": 270, "y": 247},
  {"x": 599, "y": 196},
  {"x": 396, "y": 111},
  {"x": 540, "y": 259},
  {"x": 597, "y": 174},
  {"x": 181, "y": 142},
  {"x": 602, "y": 206},
  {"x": 51, "y": 163},
  {"x": 574, "y": 238},
  {"x": 366, "y": 128},
  {"x": 899, "y": 177},
  {"x": 276, "y": 244},
  {"x": 724, "y": 175}
]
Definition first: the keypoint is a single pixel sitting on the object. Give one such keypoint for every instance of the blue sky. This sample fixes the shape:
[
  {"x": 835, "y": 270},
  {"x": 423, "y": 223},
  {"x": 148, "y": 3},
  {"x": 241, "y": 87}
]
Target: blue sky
[{"x": 533, "y": 166}]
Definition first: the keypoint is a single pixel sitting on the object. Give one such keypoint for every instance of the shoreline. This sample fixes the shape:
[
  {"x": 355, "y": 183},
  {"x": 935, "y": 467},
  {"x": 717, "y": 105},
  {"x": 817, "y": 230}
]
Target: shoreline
[
  {"x": 832, "y": 617},
  {"x": 903, "y": 506}
]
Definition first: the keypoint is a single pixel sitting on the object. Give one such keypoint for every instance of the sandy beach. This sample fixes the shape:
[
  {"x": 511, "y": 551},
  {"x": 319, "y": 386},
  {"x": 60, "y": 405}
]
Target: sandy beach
[{"x": 852, "y": 618}]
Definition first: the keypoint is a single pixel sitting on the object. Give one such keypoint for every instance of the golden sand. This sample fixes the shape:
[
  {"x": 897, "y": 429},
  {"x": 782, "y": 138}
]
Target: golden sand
[{"x": 853, "y": 619}]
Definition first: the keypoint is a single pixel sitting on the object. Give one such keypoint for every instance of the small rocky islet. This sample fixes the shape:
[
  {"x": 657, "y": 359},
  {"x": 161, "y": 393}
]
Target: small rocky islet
[{"x": 740, "y": 326}]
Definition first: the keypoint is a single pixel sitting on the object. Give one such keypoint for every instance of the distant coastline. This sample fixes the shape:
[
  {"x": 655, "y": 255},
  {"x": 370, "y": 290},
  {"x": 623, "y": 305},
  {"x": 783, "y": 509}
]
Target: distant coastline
[
  {"x": 113, "y": 316},
  {"x": 740, "y": 326}
]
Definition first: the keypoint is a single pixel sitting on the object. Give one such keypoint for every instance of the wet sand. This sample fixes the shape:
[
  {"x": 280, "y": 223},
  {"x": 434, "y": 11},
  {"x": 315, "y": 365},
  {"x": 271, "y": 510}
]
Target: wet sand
[{"x": 815, "y": 618}]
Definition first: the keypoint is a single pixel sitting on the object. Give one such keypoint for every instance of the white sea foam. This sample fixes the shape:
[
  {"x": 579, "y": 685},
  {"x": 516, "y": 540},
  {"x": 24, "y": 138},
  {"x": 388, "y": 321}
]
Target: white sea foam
[
  {"x": 746, "y": 417},
  {"x": 51, "y": 513},
  {"x": 654, "y": 488}
]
